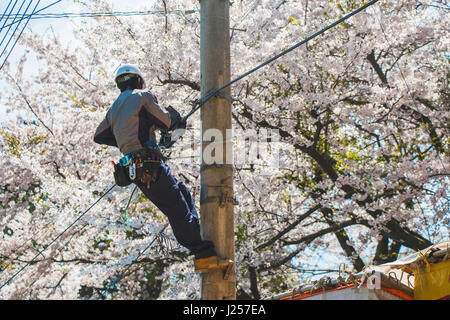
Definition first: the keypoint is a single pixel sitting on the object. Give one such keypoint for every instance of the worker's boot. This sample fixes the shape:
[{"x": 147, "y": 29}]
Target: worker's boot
[{"x": 211, "y": 263}]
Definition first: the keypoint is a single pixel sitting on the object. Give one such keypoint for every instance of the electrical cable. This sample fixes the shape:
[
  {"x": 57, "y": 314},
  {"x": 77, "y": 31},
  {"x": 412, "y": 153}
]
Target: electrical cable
[
  {"x": 10, "y": 1},
  {"x": 7, "y": 17},
  {"x": 38, "y": 16},
  {"x": 106, "y": 14},
  {"x": 6, "y": 34},
  {"x": 14, "y": 32},
  {"x": 18, "y": 37},
  {"x": 201, "y": 102},
  {"x": 4, "y": 37}
]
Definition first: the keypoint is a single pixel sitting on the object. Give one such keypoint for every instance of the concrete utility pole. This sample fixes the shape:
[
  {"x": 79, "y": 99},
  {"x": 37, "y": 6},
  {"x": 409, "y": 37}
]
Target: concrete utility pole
[{"x": 216, "y": 196}]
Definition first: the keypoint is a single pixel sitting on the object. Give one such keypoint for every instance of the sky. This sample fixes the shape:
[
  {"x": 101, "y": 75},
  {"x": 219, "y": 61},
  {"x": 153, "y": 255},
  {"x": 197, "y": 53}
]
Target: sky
[
  {"x": 61, "y": 26},
  {"x": 64, "y": 6}
]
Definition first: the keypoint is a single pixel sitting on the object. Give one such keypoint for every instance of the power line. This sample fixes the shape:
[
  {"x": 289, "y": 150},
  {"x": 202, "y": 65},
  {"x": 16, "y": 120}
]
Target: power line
[
  {"x": 215, "y": 92},
  {"x": 19, "y": 21},
  {"x": 7, "y": 19},
  {"x": 107, "y": 14},
  {"x": 18, "y": 37},
  {"x": 38, "y": 16},
  {"x": 24, "y": 17},
  {"x": 10, "y": 24},
  {"x": 14, "y": 32},
  {"x": 10, "y": 1}
]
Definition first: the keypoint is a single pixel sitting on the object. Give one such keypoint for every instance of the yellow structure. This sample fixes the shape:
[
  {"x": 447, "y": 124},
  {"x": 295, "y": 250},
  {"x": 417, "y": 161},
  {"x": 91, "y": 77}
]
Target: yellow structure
[
  {"x": 424, "y": 275},
  {"x": 432, "y": 282}
]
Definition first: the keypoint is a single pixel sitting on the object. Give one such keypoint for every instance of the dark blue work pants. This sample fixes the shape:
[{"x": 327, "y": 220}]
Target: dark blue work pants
[{"x": 174, "y": 199}]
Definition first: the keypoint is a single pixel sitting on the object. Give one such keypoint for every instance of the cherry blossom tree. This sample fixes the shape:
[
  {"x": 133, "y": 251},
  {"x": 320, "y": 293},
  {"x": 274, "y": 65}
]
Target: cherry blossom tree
[{"x": 362, "y": 166}]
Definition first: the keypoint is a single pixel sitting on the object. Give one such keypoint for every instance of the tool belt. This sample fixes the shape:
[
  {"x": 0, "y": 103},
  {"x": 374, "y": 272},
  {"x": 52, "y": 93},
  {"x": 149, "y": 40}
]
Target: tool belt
[{"x": 141, "y": 165}]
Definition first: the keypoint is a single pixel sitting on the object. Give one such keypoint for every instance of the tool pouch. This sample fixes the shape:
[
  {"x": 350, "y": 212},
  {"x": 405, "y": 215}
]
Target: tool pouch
[
  {"x": 151, "y": 172},
  {"x": 121, "y": 175},
  {"x": 143, "y": 165}
]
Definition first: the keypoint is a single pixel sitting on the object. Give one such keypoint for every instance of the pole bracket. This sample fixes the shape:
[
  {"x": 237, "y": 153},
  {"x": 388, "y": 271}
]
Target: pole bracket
[
  {"x": 215, "y": 165},
  {"x": 223, "y": 198},
  {"x": 226, "y": 197}
]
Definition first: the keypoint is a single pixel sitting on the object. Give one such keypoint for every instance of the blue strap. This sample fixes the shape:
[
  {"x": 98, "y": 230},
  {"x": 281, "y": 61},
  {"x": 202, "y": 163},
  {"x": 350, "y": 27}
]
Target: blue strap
[
  {"x": 125, "y": 160},
  {"x": 151, "y": 144}
]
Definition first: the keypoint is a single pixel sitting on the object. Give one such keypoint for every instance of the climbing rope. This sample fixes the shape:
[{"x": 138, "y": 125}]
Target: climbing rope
[
  {"x": 114, "y": 283},
  {"x": 59, "y": 236},
  {"x": 125, "y": 215}
]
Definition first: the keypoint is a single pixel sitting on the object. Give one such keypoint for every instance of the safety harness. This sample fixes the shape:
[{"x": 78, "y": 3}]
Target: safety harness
[
  {"x": 144, "y": 164},
  {"x": 141, "y": 165}
]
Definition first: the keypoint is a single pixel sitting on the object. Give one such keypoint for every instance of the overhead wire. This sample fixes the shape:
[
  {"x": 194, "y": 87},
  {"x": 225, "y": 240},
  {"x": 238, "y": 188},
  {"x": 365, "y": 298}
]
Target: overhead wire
[
  {"x": 18, "y": 37},
  {"x": 201, "y": 102},
  {"x": 10, "y": 1},
  {"x": 18, "y": 24},
  {"x": 135, "y": 260},
  {"x": 107, "y": 14},
  {"x": 6, "y": 20},
  {"x": 9, "y": 26},
  {"x": 61, "y": 15},
  {"x": 40, "y": 10}
]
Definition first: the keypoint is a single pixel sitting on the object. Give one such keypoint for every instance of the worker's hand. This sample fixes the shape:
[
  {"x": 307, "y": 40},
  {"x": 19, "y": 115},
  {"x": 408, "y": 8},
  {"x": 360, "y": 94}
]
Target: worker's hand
[
  {"x": 175, "y": 119},
  {"x": 168, "y": 138},
  {"x": 180, "y": 124}
]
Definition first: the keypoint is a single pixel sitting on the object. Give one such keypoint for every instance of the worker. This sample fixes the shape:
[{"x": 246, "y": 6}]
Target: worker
[{"x": 130, "y": 124}]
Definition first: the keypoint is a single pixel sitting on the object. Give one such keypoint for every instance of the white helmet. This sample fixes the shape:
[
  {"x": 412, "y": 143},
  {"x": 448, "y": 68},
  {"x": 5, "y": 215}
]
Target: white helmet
[{"x": 130, "y": 70}]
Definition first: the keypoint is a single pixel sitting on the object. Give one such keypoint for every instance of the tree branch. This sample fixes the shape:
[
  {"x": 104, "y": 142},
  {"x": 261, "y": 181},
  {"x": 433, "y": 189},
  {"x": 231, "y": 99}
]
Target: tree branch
[
  {"x": 343, "y": 240},
  {"x": 289, "y": 228},
  {"x": 254, "y": 283},
  {"x": 377, "y": 67},
  {"x": 193, "y": 85}
]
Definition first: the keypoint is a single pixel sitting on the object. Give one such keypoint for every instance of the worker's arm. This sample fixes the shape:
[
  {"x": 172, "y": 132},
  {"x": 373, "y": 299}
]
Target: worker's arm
[
  {"x": 104, "y": 134},
  {"x": 160, "y": 117}
]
